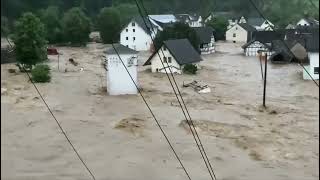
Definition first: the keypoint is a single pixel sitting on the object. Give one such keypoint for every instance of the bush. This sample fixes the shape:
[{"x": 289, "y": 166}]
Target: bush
[
  {"x": 41, "y": 73},
  {"x": 190, "y": 69}
]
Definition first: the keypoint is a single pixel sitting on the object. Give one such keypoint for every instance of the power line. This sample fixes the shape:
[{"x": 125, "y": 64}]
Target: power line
[
  {"x": 285, "y": 44},
  {"x": 153, "y": 115},
  {"x": 189, "y": 121},
  {"x": 60, "y": 127}
]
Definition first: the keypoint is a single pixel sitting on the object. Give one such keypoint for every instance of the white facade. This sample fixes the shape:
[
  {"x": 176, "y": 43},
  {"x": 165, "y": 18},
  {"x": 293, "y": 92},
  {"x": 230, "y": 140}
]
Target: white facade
[
  {"x": 313, "y": 67},
  {"x": 156, "y": 65},
  {"x": 303, "y": 22},
  {"x": 135, "y": 37},
  {"x": 237, "y": 34},
  {"x": 196, "y": 23},
  {"x": 252, "y": 49},
  {"x": 208, "y": 48},
  {"x": 266, "y": 26},
  {"x": 118, "y": 79}
]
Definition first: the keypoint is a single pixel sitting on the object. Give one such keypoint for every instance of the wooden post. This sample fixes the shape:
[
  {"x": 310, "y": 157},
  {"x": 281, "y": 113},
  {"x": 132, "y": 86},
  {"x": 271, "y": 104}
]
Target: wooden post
[
  {"x": 265, "y": 80},
  {"x": 58, "y": 62}
]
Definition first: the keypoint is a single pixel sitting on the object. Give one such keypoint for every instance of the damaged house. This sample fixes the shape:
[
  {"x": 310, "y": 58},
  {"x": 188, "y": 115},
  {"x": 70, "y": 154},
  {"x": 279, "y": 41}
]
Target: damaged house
[{"x": 176, "y": 54}]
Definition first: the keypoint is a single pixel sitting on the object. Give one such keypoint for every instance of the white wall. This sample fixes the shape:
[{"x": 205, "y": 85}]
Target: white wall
[
  {"x": 314, "y": 62},
  {"x": 241, "y": 34},
  {"x": 156, "y": 63},
  {"x": 252, "y": 49},
  {"x": 118, "y": 80},
  {"x": 267, "y": 25},
  {"x": 142, "y": 40},
  {"x": 303, "y": 22}
]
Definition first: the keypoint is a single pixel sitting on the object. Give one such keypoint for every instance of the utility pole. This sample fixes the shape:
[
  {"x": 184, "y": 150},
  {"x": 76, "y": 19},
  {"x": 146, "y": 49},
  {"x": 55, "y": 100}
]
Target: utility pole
[
  {"x": 265, "y": 79},
  {"x": 260, "y": 56}
]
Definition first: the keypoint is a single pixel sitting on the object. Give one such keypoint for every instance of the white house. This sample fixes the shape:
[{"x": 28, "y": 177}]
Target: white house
[
  {"x": 176, "y": 54},
  {"x": 312, "y": 47},
  {"x": 136, "y": 35},
  {"x": 254, "y": 47},
  {"x": 261, "y": 24},
  {"x": 207, "y": 40},
  {"x": 241, "y": 32},
  {"x": 192, "y": 20},
  {"x": 118, "y": 79},
  {"x": 307, "y": 22}
]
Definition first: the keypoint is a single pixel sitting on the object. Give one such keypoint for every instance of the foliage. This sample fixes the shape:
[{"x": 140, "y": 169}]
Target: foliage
[
  {"x": 41, "y": 73},
  {"x": 29, "y": 40},
  {"x": 76, "y": 26},
  {"x": 109, "y": 24},
  {"x": 51, "y": 19},
  {"x": 219, "y": 24},
  {"x": 178, "y": 31},
  {"x": 190, "y": 69},
  {"x": 127, "y": 11}
]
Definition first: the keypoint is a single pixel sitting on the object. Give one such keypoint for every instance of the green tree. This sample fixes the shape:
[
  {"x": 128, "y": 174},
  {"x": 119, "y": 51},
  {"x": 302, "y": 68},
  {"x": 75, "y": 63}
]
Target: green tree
[
  {"x": 109, "y": 24},
  {"x": 29, "y": 40},
  {"x": 51, "y": 19},
  {"x": 76, "y": 26},
  {"x": 219, "y": 24},
  {"x": 127, "y": 11},
  {"x": 178, "y": 31}
]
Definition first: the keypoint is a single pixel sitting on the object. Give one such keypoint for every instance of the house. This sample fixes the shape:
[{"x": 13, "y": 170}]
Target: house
[
  {"x": 192, "y": 20},
  {"x": 261, "y": 41},
  {"x": 260, "y": 24},
  {"x": 233, "y": 21},
  {"x": 290, "y": 26},
  {"x": 206, "y": 38},
  {"x": 136, "y": 35},
  {"x": 118, "y": 80},
  {"x": 176, "y": 53},
  {"x": 209, "y": 17},
  {"x": 241, "y": 32},
  {"x": 308, "y": 22},
  {"x": 312, "y": 47},
  {"x": 253, "y": 48}
]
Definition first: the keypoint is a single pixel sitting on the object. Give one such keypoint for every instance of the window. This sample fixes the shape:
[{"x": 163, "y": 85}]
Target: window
[
  {"x": 316, "y": 70},
  {"x": 133, "y": 24},
  {"x": 134, "y": 38},
  {"x": 165, "y": 59},
  {"x": 157, "y": 70},
  {"x": 164, "y": 48},
  {"x": 127, "y": 45},
  {"x": 169, "y": 59},
  {"x": 236, "y": 28},
  {"x": 234, "y": 35},
  {"x": 127, "y": 30},
  {"x": 134, "y": 30},
  {"x": 127, "y": 38}
]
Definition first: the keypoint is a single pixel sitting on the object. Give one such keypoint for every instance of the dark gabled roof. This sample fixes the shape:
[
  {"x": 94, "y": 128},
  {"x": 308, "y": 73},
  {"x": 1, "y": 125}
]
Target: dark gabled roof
[
  {"x": 142, "y": 24},
  {"x": 121, "y": 49},
  {"x": 205, "y": 34},
  {"x": 312, "y": 42},
  {"x": 181, "y": 50},
  {"x": 252, "y": 41},
  {"x": 253, "y": 21},
  {"x": 247, "y": 27},
  {"x": 267, "y": 36}
]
